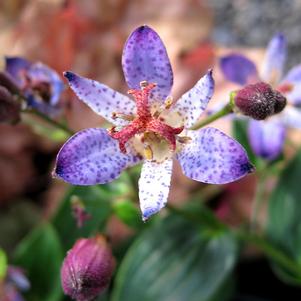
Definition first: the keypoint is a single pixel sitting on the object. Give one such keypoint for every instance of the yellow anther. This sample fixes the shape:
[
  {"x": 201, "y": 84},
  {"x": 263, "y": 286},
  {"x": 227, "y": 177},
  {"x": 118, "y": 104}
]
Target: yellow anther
[
  {"x": 148, "y": 152},
  {"x": 168, "y": 102}
]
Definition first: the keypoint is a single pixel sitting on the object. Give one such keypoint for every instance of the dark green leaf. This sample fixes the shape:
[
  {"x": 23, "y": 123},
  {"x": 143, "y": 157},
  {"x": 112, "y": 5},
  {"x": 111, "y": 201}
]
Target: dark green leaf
[
  {"x": 40, "y": 254},
  {"x": 97, "y": 203},
  {"x": 175, "y": 260},
  {"x": 239, "y": 129},
  {"x": 284, "y": 215}
]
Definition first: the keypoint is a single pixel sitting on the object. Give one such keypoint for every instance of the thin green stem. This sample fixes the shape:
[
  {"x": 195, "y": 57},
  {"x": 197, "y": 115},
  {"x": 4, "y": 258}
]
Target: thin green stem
[
  {"x": 50, "y": 121},
  {"x": 261, "y": 243},
  {"x": 270, "y": 251},
  {"x": 258, "y": 198},
  {"x": 227, "y": 109}
]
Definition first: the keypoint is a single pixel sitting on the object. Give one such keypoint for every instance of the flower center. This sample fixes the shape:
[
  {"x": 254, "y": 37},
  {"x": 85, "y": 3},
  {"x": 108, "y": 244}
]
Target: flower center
[{"x": 147, "y": 125}]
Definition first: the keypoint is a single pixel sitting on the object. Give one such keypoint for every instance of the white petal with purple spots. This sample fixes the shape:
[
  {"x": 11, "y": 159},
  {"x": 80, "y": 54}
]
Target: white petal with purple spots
[
  {"x": 193, "y": 103},
  {"x": 91, "y": 157},
  {"x": 266, "y": 137},
  {"x": 213, "y": 157},
  {"x": 145, "y": 58},
  {"x": 100, "y": 98},
  {"x": 274, "y": 59},
  {"x": 154, "y": 186}
]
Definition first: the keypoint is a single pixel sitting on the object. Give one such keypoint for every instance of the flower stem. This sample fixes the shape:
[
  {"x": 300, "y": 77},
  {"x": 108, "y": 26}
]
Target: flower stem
[
  {"x": 270, "y": 251},
  {"x": 227, "y": 109},
  {"x": 50, "y": 121},
  {"x": 258, "y": 198}
]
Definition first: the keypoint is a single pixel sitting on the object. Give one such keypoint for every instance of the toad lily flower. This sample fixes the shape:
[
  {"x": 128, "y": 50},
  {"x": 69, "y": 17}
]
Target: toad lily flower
[
  {"x": 152, "y": 128},
  {"x": 40, "y": 85},
  {"x": 267, "y": 137}
]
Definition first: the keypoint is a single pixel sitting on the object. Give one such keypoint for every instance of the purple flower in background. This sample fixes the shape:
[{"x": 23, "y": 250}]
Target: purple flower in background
[
  {"x": 40, "y": 85},
  {"x": 267, "y": 137},
  {"x": 15, "y": 281},
  {"x": 151, "y": 128}
]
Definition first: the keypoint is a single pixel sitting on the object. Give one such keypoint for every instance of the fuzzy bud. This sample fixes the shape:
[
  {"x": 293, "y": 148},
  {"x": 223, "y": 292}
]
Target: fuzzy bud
[
  {"x": 9, "y": 107},
  {"x": 87, "y": 268},
  {"x": 259, "y": 101}
]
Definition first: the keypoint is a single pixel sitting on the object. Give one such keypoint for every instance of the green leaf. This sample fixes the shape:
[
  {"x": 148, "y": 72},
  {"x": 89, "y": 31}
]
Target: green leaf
[
  {"x": 40, "y": 254},
  {"x": 240, "y": 130},
  {"x": 175, "y": 260},
  {"x": 96, "y": 200},
  {"x": 3, "y": 264},
  {"x": 284, "y": 214},
  {"x": 128, "y": 213}
]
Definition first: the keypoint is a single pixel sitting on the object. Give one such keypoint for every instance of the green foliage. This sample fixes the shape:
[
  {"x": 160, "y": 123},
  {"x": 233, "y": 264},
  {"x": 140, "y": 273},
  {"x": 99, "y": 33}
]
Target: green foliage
[
  {"x": 96, "y": 200},
  {"x": 239, "y": 129},
  {"x": 284, "y": 216},
  {"x": 176, "y": 260},
  {"x": 3, "y": 264},
  {"x": 128, "y": 213},
  {"x": 40, "y": 254}
]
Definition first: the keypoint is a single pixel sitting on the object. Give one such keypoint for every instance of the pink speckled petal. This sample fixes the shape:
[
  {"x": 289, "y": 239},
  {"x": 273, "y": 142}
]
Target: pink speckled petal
[
  {"x": 193, "y": 103},
  {"x": 154, "y": 186},
  {"x": 145, "y": 58},
  {"x": 274, "y": 59},
  {"x": 238, "y": 69},
  {"x": 293, "y": 79},
  {"x": 266, "y": 138},
  {"x": 100, "y": 98},
  {"x": 91, "y": 157},
  {"x": 213, "y": 157}
]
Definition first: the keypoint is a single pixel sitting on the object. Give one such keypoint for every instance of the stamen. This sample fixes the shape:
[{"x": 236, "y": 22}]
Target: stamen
[
  {"x": 122, "y": 116},
  {"x": 183, "y": 139},
  {"x": 168, "y": 102}
]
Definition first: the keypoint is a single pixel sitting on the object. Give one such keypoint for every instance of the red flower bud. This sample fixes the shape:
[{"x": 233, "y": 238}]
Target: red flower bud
[
  {"x": 87, "y": 268},
  {"x": 259, "y": 101}
]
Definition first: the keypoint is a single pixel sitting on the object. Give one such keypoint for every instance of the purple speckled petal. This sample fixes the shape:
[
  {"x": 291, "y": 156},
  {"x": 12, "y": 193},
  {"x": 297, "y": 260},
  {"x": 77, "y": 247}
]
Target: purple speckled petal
[
  {"x": 154, "y": 186},
  {"x": 293, "y": 79},
  {"x": 15, "y": 65},
  {"x": 38, "y": 72},
  {"x": 100, "y": 98},
  {"x": 266, "y": 138},
  {"x": 291, "y": 117},
  {"x": 238, "y": 69},
  {"x": 145, "y": 58},
  {"x": 91, "y": 157},
  {"x": 213, "y": 157},
  {"x": 193, "y": 103},
  {"x": 274, "y": 59}
]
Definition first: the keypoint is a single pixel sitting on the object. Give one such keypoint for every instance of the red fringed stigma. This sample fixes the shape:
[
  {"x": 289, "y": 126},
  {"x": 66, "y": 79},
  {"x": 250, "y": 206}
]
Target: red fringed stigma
[{"x": 144, "y": 121}]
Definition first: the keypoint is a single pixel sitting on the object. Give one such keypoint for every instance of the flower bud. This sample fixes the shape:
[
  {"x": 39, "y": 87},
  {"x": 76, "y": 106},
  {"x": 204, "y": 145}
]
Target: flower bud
[
  {"x": 259, "y": 101},
  {"x": 9, "y": 108},
  {"x": 87, "y": 268},
  {"x": 8, "y": 82}
]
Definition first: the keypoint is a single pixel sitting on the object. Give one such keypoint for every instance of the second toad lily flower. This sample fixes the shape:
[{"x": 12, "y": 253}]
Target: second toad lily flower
[
  {"x": 40, "y": 85},
  {"x": 152, "y": 128},
  {"x": 240, "y": 70}
]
